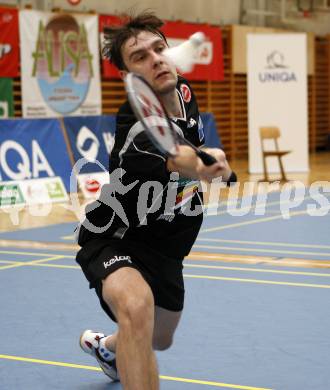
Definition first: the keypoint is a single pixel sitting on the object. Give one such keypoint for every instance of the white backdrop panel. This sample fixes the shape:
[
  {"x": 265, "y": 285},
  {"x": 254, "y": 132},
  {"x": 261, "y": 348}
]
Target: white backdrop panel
[{"x": 277, "y": 96}]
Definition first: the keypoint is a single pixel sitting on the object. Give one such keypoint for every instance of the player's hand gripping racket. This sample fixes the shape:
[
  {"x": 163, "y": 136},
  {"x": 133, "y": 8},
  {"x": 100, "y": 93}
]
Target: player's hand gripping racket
[{"x": 152, "y": 114}]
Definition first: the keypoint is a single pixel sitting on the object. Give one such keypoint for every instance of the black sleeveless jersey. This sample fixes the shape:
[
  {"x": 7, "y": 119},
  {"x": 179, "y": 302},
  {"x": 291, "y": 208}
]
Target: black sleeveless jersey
[{"x": 145, "y": 202}]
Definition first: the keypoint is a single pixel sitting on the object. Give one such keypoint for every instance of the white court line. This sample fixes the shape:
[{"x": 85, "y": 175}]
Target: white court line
[
  {"x": 36, "y": 254},
  {"x": 252, "y": 222},
  {"x": 257, "y": 270},
  {"x": 258, "y": 281},
  {"x": 327, "y": 255},
  {"x": 71, "y": 237},
  {"x": 220, "y": 267},
  {"x": 208, "y": 277},
  {"x": 251, "y": 207},
  {"x": 265, "y": 243},
  {"x": 18, "y": 264}
]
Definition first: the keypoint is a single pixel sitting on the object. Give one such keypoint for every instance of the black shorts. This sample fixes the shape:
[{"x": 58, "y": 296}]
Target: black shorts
[{"x": 99, "y": 258}]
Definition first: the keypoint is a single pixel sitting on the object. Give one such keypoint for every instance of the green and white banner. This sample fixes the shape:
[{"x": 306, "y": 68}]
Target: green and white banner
[
  {"x": 59, "y": 64},
  {"x": 32, "y": 192},
  {"x": 45, "y": 190},
  {"x": 6, "y": 97},
  {"x": 11, "y": 194}
]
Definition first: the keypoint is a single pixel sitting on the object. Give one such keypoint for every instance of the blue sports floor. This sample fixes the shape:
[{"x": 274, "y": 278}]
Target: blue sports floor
[{"x": 256, "y": 314}]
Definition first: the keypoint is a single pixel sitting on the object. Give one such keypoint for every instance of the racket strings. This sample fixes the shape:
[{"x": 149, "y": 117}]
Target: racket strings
[{"x": 149, "y": 110}]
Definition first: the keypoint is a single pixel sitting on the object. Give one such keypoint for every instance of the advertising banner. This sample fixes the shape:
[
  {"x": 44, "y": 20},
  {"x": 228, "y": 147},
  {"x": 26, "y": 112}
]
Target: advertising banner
[
  {"x": 48, "y": 190},
  {"x": 212, "y": 139},
  {"x": 277, "y": 97},
  {"x": 60, "y": 64},
  {"x": 11, "y": 194},
  {"x": 209, "y": 61},
  {"x": 6, "y": 98},
  {"x": 91, "y": 138},
  {"x": 9, "y": 42},
  {"x": 32, "y": 192},
  {"x": 36, "y": 148},
  {"x": 108, "y": 70},
  {"x": 31, "y": 149},
  {"x": 91, "y": 183}
]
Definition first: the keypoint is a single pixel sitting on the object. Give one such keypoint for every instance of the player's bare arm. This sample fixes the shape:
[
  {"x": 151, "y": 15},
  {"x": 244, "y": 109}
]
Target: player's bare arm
[{"x": 188, "y": 164}]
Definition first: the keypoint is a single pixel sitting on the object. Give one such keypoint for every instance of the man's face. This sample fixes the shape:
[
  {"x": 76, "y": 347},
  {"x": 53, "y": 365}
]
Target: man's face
[{"x": 144, "y": 55}]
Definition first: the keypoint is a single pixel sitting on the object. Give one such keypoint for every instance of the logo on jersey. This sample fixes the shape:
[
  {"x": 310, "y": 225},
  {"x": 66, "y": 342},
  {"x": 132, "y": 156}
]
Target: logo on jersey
[
  {"x": 200, "y": 129},
  {"x": 165, "y": 217},
  {"x": 189, "y": 190},
  {"x": 191, "y": 123},
  {"x": 185, "y": 92}
]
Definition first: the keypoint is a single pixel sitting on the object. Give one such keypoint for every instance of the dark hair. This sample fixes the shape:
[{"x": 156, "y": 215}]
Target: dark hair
[{"x": 116, "y": 36}]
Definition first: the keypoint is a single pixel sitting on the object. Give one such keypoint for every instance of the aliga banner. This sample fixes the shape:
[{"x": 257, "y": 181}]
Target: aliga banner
[
  {"x": 209, "y": 60},
  {"x": 9, "y": 48},
  {"x": 60, "y": 64},
  {"x": 6, "y": 97}
]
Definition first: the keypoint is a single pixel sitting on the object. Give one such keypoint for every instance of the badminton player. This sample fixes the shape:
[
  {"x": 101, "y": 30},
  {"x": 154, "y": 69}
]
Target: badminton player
[{"x": 135, "y": 265}]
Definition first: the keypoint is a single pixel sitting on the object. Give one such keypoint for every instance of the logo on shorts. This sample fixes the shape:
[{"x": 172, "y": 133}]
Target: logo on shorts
[{"x": 114, "y": 259}]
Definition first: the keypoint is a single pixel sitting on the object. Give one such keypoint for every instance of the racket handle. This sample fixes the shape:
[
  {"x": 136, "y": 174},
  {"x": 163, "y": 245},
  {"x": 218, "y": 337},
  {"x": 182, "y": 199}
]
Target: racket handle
[
  {"x": 232, "y": 178},
  {"x": 206, "y": 158}
]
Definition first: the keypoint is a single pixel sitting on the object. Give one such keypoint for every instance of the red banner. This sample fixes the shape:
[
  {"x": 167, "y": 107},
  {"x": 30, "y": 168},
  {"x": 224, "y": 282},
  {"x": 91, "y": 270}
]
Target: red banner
[
  {"x": 9, "y": 50},
  {"x": 210, "y": 56},
  {"x": 209, "y": 64},
  {"x": 108, "y": 70}
]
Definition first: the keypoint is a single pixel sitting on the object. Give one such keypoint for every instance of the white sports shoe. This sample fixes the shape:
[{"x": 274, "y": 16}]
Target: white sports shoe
[{"x": 90, "y": 343}]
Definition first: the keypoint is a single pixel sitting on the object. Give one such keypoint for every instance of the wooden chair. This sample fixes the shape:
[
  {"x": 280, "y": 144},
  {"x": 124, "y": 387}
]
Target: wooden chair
[{"x": 272, "y": 133}]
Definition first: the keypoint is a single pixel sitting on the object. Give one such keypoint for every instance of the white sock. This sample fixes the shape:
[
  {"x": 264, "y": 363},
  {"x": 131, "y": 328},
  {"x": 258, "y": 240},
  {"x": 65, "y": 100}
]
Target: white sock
[{"x": 106, "y": 354}]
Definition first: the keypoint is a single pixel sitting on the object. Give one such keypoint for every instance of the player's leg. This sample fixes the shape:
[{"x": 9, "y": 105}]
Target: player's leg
[
  {"x": 131, "y": 300},
  {"x": 165, "y": 325},
  {"x": 111, "y": 342},
  {"x": 166, "y": 322}
]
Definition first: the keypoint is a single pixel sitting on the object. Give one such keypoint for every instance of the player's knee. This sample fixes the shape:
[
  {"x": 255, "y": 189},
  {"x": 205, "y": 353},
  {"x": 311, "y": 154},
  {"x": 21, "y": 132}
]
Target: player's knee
[
  {"x": 136, "y": 312},
  {"x": 162, "y": 343},
  {"x": 132, "y": 302}
]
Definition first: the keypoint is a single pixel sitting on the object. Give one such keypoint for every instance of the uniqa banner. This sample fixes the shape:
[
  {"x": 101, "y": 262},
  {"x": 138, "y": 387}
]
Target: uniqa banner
[
  {"x": 9, "y": 47},
  {"x": 277, "y": 97},
  {"x": 209, "y": 61},
  {"x": 91, "y": 138},
  {"x": 60, "y": 64},
  {"x": 6, "y": 97},
  {"x": 33, "y": 149}
]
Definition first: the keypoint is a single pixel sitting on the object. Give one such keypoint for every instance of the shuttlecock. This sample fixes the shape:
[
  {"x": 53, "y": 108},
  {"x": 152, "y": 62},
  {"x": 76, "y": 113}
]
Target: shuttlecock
[{"x": 183, "y": 56}]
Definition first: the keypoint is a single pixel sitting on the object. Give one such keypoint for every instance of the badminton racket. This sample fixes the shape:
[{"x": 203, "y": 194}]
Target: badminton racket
[{"x": 151, "y": 112}]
